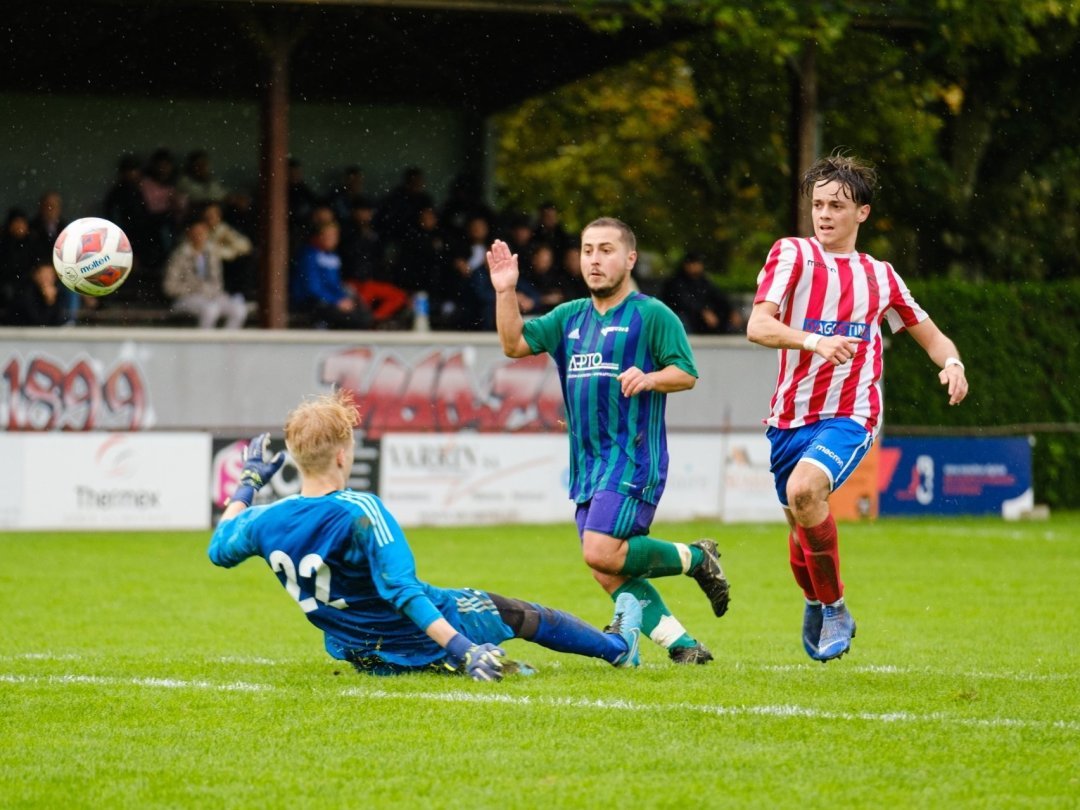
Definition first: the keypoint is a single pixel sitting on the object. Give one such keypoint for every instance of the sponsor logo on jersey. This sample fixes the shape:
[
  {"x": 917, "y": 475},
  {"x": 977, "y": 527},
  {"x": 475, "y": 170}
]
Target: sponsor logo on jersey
[
  {"x": 591, "y": 362},
  {"x": 607, "y": 329},
  {"x": 850, "y": 329}
]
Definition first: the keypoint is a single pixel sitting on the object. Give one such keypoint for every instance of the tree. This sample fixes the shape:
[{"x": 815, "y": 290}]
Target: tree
[{"x": 966, "y": 106}]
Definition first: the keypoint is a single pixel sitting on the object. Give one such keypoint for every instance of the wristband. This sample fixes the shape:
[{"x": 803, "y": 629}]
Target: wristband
[
  {"x": 458, "y": 646},
  {"x": 811, "y": 342},
  {"x": 245, "y": 494},
  {"x": 953, "y": 361}
]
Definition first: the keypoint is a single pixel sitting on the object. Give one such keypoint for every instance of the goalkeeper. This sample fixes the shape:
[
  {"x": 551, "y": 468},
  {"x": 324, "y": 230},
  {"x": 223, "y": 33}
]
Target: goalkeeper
[{"x": 345, "y": 560}]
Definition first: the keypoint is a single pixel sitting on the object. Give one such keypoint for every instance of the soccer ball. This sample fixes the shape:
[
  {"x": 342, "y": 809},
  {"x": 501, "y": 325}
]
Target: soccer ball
[{"x": 92, "y": 256}]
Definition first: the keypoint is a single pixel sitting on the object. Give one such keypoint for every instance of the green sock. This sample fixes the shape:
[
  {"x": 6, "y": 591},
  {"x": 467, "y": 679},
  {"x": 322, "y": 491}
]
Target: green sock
[
  {"x": 646, "y": 557},
  {"x": 656, "y": 620}
]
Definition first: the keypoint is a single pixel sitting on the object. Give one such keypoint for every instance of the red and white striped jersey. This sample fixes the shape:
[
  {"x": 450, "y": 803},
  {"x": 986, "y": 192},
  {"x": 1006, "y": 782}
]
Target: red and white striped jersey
[{"x": 832, "y": 294}]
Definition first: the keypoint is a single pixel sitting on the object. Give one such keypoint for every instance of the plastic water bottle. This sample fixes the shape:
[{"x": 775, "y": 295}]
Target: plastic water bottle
[{"x": 421, "y": 312}]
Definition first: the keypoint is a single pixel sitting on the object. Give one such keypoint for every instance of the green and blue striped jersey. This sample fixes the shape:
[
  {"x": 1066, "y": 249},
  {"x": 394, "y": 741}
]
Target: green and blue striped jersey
[{"x": 617, "y": 443}]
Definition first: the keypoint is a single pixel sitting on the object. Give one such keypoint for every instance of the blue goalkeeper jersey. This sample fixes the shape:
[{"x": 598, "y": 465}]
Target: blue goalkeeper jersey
[
  {"x": 345, "y": 560},
  {"x": 617, "y": 443}
]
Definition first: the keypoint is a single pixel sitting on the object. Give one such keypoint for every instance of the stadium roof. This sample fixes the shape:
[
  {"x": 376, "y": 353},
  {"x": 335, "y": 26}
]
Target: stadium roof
[{"x": 477, "y": 54}]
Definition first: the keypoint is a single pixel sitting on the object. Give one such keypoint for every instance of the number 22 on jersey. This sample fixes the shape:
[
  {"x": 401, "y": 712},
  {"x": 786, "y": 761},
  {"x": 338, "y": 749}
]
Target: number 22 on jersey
[{"x": 311, "y": 566}]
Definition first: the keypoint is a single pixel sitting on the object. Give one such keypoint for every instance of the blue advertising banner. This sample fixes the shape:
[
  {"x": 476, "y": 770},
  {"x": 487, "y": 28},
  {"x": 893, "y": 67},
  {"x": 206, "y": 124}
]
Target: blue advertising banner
[{"x": 967, "y": 476}]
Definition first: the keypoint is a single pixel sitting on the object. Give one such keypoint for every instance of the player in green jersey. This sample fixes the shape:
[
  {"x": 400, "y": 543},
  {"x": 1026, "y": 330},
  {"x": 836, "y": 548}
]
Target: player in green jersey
[{"x": 619, "y": 353}]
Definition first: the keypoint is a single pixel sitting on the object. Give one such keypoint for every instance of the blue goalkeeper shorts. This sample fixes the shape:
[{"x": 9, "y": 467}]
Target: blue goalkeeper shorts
[
  {"x": 469, "y": 611},
  {"x": 477, "y": 617},
  {"x": 836, "y": 446}
]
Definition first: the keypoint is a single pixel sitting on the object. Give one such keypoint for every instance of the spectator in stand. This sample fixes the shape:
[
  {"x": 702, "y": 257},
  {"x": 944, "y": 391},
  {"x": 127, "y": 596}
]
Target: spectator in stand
[
  {"x": 546, "y": 278},
  {"x": 234, "y": 248},
  {"x": 198, "y": 185},
  {"x": 363, "y": 268},
  {"x": 573, "y": 283},
  {"x": 124, "y": 202},
  {"x": 38, "y": 302},
  {"x": 302, "y": 202},
  {"x": 239, "y": 211},
  {"x": 519, "y": 234},
  {"x": 47, "y": 222},
  {"x": 317, "y": 289},
  {"x": 463, "y": 202},
  {"x": 45, "y": 226},
  {"x": 480, "y": 279},
  {"x": 423, "y": 252},
  {"x": 397, "y": 215},
  {"x": 162, "y": 206},
  {"x": 700, "y": 304},
  {"x": 195, "y": 282},
  {"x": 460, "y": 299},
  {"x": 321, "y": 214},
  {"x": 16, "y": 257},
  {"x": 342, "y": 197},
  {"x": 477, "y": 239},
  {"x": 549, "y": 228},
  {"x": 363, "y": 254}
]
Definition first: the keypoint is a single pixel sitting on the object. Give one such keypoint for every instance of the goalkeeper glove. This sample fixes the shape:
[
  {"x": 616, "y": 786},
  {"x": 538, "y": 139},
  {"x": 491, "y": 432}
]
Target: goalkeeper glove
[
  {"x": 481, "y": 662},
  {"x": 259, "y": 468}
]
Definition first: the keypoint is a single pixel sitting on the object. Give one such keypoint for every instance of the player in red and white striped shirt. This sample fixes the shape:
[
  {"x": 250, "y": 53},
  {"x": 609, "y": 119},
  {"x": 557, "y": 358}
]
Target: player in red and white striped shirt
[{"x": 822, "y": 305}]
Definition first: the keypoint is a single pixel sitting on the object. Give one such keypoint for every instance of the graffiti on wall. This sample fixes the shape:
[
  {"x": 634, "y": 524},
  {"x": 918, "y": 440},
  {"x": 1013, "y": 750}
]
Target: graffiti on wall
[
  {"x": 38, "y": 392},
  {"x": 442, "y": 392}
]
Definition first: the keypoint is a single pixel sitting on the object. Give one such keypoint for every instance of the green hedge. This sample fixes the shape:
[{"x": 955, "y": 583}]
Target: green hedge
[{"x": 1021, "y": 349}]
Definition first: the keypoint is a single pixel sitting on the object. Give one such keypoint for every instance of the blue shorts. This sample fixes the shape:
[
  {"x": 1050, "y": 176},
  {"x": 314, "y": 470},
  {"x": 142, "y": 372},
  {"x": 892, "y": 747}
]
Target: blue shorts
[
  {"x": 477, "y": 617},
  {"x": 836, "y": 446},
  {"x": 614, "y": 514},
  {"x": 469, "y": 611}
]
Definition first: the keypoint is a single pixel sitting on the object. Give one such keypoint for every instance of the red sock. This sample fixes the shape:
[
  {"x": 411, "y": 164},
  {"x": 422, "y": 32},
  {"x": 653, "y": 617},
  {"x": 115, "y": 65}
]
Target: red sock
[
  {"x": 823, "y": 559},
  {"x": 798, "y": 566}
]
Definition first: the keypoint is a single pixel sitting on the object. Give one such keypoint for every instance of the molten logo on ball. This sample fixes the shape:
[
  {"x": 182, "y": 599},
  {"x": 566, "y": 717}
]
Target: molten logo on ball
[{"x": 92, "y": 256}]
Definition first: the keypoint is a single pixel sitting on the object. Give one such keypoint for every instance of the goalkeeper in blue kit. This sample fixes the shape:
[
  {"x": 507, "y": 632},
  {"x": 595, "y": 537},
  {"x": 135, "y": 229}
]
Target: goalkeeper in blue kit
[{"x": 345, "y": 560}]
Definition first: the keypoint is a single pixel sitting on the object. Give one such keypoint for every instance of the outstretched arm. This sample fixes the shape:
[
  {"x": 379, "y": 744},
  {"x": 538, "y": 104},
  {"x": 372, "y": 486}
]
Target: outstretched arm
[
  {"x": 259, "y": 468},
  {"x": 503, "y": 266},
  {"x": 945, "y": 354},
  {"x": 231, "y": 543},
  {"x": 765, "y": 329}
]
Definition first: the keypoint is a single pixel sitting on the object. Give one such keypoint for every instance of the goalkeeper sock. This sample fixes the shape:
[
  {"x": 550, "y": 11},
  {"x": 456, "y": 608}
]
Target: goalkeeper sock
[
  {"x": 798, "y": 566},
  {"x": 822, "y": 559},
  {"x": 656, "y": 620},
  {"x": 564, "y": 632},
  {"x": 646, "y": 557}
]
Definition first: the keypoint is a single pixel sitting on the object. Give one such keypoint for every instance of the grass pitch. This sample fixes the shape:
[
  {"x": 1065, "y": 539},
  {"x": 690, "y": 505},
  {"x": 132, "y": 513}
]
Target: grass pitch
[{"x": 135, "y": 674}]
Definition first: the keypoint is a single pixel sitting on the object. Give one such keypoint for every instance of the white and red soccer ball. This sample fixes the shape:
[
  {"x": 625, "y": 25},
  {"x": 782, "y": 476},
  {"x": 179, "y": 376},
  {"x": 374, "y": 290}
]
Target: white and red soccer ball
[{"x": 92, "y": 256}]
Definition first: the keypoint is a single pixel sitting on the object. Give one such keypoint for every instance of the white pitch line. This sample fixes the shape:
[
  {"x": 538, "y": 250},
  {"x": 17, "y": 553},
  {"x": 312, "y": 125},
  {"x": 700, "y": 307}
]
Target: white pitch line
[
  {"x": 889, "y": 669},
  {"x": 160, "y": 683},
  {"x": 780, "y": 711},
  {"x": 847, "y": 666}
]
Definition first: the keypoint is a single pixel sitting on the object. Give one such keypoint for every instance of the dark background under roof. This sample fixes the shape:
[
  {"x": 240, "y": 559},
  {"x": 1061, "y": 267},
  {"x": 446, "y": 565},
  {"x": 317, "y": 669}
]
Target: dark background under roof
[{"x": 479, "y": 55}]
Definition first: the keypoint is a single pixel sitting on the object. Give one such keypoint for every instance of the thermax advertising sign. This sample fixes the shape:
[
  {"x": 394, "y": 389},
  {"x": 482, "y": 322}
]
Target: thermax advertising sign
[{"x": 103, "y": 480}]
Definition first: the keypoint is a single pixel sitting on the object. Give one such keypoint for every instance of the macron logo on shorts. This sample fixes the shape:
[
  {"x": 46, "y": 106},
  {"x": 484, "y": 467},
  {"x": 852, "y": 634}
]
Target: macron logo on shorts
[{"x": 827, "y": 452}]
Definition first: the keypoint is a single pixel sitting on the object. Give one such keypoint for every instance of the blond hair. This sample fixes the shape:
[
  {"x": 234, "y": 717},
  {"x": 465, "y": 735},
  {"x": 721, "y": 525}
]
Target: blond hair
[{"x": 318, "y": 427}]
